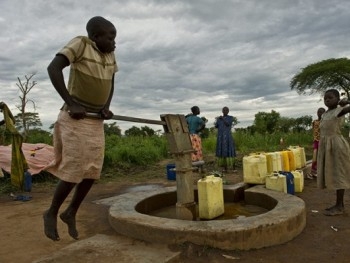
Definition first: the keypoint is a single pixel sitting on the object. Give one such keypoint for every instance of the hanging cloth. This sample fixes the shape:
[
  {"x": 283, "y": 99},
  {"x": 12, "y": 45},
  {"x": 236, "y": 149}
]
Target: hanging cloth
[{"x": 18, "y": 161}]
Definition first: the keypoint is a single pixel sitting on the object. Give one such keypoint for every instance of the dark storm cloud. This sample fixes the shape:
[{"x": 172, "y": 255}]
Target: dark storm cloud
[{"x": 176, "y": 54}]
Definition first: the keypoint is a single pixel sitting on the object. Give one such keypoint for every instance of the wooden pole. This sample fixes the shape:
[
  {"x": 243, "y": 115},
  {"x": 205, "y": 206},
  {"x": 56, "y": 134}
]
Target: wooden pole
[
  {"x": 176, "y": 131},
  {"x": 179, "y": 143},
  {"x": 127, "y": 118}
]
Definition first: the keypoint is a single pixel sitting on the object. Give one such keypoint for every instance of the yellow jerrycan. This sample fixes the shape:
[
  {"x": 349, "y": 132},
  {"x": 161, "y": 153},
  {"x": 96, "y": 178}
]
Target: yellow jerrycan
[
  {"x": 276, "y": 182},
  {"x": 285, "y": 161},
  {"x": 210, "y": 197},
  {"x": 275, "y": 159},
  {"x": 291, "y": 160},
  {"x": 279, "y": 161},
  {"x": 299, "y": 154},
  {"x": 270, "y": 165},
  {"x": 254, "y": 169},
  {"x": 298, "y": 180}
]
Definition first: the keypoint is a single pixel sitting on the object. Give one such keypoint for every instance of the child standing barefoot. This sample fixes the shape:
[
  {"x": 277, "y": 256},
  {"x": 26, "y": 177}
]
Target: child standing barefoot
[
  {"x": 78, "y": 140},
  {"x": 333, "y": 163}
]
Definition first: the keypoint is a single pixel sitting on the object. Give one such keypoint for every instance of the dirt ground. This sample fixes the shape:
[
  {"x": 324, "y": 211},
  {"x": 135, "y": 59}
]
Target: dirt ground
[{"x": 22, "y": 238}]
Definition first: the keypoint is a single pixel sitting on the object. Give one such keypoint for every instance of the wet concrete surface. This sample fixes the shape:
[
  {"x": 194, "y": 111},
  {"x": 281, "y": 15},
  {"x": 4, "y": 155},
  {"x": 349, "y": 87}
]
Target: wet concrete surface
[{"x": 286, "y": 218}]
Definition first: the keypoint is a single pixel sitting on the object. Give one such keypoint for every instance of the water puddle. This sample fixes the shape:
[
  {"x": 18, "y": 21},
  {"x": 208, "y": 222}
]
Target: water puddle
[{"x": 232, "y": 211}]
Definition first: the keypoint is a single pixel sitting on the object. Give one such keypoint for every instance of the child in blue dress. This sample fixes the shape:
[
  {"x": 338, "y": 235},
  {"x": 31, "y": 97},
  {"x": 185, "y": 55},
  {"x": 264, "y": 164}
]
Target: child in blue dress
[{"x": 225, "y": 145}]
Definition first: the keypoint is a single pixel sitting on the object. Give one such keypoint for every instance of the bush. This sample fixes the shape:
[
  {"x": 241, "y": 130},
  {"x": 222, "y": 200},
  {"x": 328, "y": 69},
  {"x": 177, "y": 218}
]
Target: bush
[{"x": 127, "y": 151}]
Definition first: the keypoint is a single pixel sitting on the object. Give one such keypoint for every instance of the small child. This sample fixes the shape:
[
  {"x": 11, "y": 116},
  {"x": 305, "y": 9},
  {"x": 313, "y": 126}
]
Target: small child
[
  {"x": 79, "y": 140},
  {"x": 316, "y": 135},
  {"x": 333, "y": 157}
]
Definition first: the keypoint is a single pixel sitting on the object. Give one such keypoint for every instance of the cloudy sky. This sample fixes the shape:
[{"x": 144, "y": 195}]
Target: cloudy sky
[{"x": 176, "y": 54}]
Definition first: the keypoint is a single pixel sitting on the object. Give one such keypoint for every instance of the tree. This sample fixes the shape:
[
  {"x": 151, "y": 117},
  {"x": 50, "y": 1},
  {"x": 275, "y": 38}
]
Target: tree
[
  {"x": 39, "y": 136},
  {"x": 302, "y": 123},
  {"x": 144, "y": 131},
  {"x": 112, "y": 128},
  {"x": 134, "y": 131},
  {"x": 284, "y": 124},
  {"x": 147, "y": 131},
  {"x": 32, "y": 120},
  {"x": 320, "y": 76},
  {"x": 266, "y": 122},
  {"x": 25, "y": 87},
  {"x": 235, "y": 121}
]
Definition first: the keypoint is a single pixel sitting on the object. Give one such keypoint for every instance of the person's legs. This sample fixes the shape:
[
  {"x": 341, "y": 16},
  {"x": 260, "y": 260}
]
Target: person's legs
[
  {"x": 340, "y": 199},
  {"x": 68, "y": 216},
  {"x": 314, "y": 159},
  {"x": 50, "y": 216},
  {"x": 225, "y": 165},
  {"x": 338, "y": 208}
]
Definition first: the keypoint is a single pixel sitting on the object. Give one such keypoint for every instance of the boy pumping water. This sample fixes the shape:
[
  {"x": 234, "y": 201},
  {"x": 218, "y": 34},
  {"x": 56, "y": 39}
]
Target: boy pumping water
[{"x": 78, "y": 140}]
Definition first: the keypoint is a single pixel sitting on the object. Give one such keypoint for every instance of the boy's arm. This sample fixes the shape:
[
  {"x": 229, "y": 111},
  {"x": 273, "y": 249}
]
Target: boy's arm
[
  {"x": 55, "y": 70},
  {"x": 106, "y": 113}
]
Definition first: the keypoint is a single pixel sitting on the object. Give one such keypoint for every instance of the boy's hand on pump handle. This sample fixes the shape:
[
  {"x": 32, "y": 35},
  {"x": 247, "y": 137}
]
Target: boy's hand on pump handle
[
  {"x": 106, "y": 114},
  {"x": 76, "y": 111}
]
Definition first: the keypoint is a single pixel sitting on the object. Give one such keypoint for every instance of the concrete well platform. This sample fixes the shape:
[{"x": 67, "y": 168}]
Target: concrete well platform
[{"x": 285, "y": 219}]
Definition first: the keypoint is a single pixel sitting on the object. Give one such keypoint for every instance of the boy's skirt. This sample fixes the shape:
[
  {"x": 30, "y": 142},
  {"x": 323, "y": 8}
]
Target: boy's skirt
[{"x": 78, "y": 147}]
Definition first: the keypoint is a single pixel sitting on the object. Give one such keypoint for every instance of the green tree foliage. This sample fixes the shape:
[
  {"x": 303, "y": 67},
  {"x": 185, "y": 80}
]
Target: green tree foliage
[
  {"x": 284, "y": 124},
  {"x": 235, "y": 121},
  {"x": 320, "y": 76},
  {"x": 302, "y": 123},
  {"x": 147, "y": 131},
  {"x": 32, "y": 121},
  {"x": 143, "y": 131},
  {"x": 266, "y": 122},
  {"x": 39, "y": 136},
  {"x": 112, "y": 128}
]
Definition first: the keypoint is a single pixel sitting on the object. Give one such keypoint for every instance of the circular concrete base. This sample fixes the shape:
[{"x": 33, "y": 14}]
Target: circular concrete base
[{"x": 285, "y": 219}]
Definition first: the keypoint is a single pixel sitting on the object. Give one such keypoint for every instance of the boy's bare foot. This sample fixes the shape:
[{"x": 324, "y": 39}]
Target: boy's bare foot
[
  {"x": 50, "y": 226},
  {"x": 69, "y": 219}
]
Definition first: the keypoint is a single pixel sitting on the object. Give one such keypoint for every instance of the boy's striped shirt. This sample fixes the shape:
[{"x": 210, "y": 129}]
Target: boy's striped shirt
[{"x": 91, "y": 73}]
